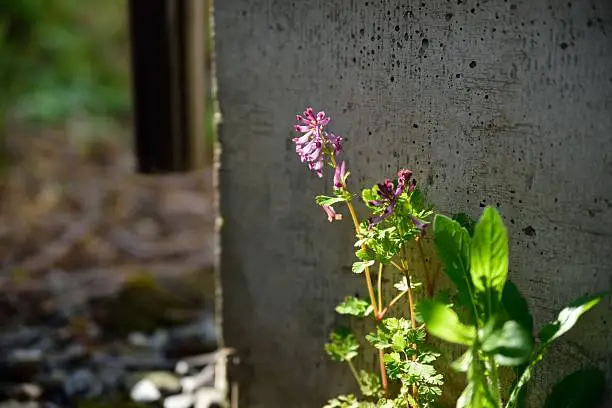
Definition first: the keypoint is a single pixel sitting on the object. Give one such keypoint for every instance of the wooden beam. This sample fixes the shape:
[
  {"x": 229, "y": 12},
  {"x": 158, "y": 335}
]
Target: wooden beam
[{"x": 168, "y": 77}]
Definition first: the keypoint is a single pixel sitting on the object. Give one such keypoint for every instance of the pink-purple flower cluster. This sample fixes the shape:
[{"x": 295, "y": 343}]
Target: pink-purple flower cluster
[
  {"x": 389, "y": 193},
  {"x": 315, "y": 142}
]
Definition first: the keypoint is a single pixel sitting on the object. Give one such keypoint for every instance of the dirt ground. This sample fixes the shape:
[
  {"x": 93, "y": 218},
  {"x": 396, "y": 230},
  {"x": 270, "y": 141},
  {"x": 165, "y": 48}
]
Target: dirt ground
[{"x": 91, "y": 252}]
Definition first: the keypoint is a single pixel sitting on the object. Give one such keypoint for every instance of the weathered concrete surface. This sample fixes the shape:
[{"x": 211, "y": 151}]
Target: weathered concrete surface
[{"x": 506, "y": 103}]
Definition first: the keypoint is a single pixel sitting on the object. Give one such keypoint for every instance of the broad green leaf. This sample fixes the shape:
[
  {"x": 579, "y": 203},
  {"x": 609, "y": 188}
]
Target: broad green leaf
[
  {"x": 354, "y": 307},
  {"x": 580, "y": 389},
  {"x": 477, "y": 393},
  {"x": 516, "y": 306},
  {"x": 453, "y": 245},
  {"x": 417, "y": 200},
  {"x": 565, "y": 321},
  {"x": 466, "y": 222},
  {"x": 443, "y": 322},
  {"x": 517, "y": 394},
  {"x": 325, "y": 200},
  {"x": 359, "y": 266},
  {"x": 489, "y": 258},
  {"x": 510, "y": 344},
  {"x": 342, "y": 345},
  {"x": 569, "y": 316}
]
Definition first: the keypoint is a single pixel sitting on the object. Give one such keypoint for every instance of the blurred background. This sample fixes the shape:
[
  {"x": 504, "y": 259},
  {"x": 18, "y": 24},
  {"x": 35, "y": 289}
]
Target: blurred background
[{"x": 105, "y": 275}]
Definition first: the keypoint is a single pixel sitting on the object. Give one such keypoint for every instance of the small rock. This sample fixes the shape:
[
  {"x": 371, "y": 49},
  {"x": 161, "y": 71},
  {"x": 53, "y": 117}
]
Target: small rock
[
  {"x": 181, "y": 368},
  {"x": 192, "y": 339},
  {"x": 179, "y": 401},
  {"x": 205, "y": 397},
  {"x": 145, "y": 391},
  {"x": 111, "y": 377},
  {"x": 20, "y": 392},
  {"x": 72, "y": 353},
  {"x": 204, "y": 377},
  {"x": 29, "y": 391},
  {"x": 20, "y": 337},
  {"x": 138, "y": 339},
  {"x": 83, "y": 383},
  {"x": 19, "y": 404},
  {"x": 22, "y": 365},
  {"x": 25, "y": 356},
  {"x": 164, "y": 381},
  {"x": 159, "y": 339}
]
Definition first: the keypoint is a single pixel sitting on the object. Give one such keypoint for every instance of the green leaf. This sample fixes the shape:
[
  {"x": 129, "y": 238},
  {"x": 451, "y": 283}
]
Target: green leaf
[
  {"x": 378, "y": 340},
  {"x": 398, "y": 341},
  {"x": 370, "y": 384},
  {"x": 342, "y": 346},
  {"x": 462, "y": 364},
  {"x": 417, "y": 200},
  {"x": 443, "y": 322},
  {"x": 583, "y": 388},
  {"x": 568, "y": 317},
  {"x": 369, "y": 194},
  {"x": 466, "y": 222},
  {"x": 343, "y": 401},
  {"x": 453, "y": 245},
  {"x": 364, "y": 255},
  {"x": 489, "y": 258},
  {"x": 565, "y": 321},
  {"x": 510, "y": 344},
  {"x": 516, "y": 306},
  {"x": 477, "y": 393},
  {"x": 359, "y": 266},
  {"x": 354, "y": 307},
  {"x": 325, "y": 200}
]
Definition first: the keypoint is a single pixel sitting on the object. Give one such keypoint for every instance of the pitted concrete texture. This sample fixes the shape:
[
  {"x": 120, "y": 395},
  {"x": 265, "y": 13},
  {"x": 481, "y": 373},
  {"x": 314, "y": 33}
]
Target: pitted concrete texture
[{"x": 503, "y": 103}]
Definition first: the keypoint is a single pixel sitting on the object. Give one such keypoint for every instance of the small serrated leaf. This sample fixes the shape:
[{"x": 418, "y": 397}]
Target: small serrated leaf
[
  {"x": 364, "y": 255},
  {"x": 354, "y": 307},
  {"x": 359, "y": 266},
  {"x": 342, "y": 346}
]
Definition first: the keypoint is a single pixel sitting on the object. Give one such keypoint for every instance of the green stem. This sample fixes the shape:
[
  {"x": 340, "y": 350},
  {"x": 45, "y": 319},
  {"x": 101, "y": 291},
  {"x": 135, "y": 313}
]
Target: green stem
[
  {"x": 355, "y": 374},
  {"x": 404, "y": 260},
  {"x": 368, "y": 279},
  {"x": 384, "y": 311},
  {"x": 472, "y": 301},
  {"x": 494, "y": 380},
  {"x": 525, "y": 377},
  {"x": 379, "y": 288},
  {"x": 428, "y": 284},
  {"x": 399, "y": 268}
]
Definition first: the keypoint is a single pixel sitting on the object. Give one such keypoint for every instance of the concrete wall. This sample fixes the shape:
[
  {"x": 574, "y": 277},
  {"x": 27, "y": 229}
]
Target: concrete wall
[{"x": 496, "y": 102}]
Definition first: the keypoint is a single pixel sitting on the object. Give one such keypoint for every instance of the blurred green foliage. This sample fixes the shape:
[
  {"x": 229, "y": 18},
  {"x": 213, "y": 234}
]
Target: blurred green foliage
[{"x": 63, "y": 58}]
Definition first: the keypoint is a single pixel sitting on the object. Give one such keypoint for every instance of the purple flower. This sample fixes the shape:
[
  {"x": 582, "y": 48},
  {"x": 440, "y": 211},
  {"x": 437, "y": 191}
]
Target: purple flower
[
  {"x": 419, "y": 224},
  {"x": 331, "y": 213},
  {"x": 312, "y": 145},
  {"x": 336, "y": 142},
  {"x": 339, "y": 176},
  {"x": 389, "y": 193}
]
